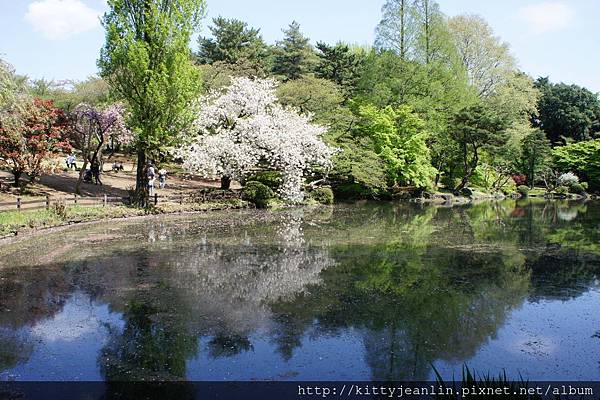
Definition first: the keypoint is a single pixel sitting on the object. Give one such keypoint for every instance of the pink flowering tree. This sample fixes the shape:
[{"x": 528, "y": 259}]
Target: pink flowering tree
[
  {"x": 244, "y": 128},
  {"x": 93, "y": 128}
]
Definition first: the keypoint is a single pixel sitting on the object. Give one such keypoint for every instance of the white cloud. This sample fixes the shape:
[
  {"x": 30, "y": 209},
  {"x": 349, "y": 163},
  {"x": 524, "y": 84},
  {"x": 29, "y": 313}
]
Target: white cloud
[
  {"x": 61, "y": 19},
  {"x": 547, "y": 16}
]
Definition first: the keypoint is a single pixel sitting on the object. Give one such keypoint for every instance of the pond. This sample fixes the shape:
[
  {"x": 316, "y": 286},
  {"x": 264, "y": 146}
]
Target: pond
[{"x": 351, "y": 292}]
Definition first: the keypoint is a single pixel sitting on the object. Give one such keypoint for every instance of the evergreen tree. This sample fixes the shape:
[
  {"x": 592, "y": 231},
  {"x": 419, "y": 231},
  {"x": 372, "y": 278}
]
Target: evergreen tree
[
  {"x": 294, "y": 55},
  {"x": 535, "y": 154},
  {"x": 339, "y": 64},
  {"x": 567, "y": 111},
  {"x": 233, "y": 42}
]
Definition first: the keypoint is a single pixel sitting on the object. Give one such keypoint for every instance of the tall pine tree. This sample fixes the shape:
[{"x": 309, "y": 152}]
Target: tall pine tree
[{"x": 294, "y": 56}]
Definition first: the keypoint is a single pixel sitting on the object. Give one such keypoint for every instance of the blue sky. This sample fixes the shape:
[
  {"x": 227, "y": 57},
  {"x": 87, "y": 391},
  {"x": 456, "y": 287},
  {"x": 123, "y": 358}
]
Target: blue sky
[{"x": 60, "y": 39}]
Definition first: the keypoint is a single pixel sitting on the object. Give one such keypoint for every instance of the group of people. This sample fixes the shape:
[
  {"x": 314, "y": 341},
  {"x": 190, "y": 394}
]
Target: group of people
[
  {"x": 93, "y": 173},
  {"x": 151, "y": 176}
]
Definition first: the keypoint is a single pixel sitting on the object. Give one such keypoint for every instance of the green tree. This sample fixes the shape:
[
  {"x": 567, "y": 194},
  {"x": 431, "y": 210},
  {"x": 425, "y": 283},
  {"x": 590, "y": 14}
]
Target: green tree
[
  {"x": 339, "y": 64},
  {"x": 582, "y": 158},
  {"x": 232, "y": 42},
  {"x": 567, "y": 111},
  {"x": 486, "y": 59},
  {"x": 294, "y": 56},
  {"x": 13, "y": 98},
  {"x": 318, "y": 96},
  {"x": 535, "y": 152},
  {"x": 147, "y": 61},
  {"x": 473, "y": 129},
  {"x": 400, "y": 139},
  {"x": 397, "y": 31}
]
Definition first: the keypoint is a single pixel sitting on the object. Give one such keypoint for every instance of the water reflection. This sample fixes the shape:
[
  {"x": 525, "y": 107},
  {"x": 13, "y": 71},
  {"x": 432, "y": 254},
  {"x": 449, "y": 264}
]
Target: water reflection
[{"x": 389, "y": 288}]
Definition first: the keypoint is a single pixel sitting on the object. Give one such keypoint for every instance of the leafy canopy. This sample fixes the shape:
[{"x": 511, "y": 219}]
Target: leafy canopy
[
  {"x": 147, "y": 61},
  {"x": 400, "y": 140}
]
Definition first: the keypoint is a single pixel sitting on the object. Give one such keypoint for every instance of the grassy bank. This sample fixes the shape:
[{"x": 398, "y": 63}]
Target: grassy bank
[{"x": 20, "y": 222}]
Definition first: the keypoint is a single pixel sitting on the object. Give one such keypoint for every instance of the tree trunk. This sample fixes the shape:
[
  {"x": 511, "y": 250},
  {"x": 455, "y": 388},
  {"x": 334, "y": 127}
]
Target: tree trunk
[
  {"x": 225, "y": 183},
  {"x": 17, "y": 175},
  {"x": 469, "y": 167},
  {"x": 402, "y": 30},
  {"x": 141, "y": 184},
  {"x": 81, "y": 175}
]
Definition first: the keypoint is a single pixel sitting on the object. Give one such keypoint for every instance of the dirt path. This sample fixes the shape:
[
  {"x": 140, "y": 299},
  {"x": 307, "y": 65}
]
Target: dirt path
[{"x": 62, "y": 183}]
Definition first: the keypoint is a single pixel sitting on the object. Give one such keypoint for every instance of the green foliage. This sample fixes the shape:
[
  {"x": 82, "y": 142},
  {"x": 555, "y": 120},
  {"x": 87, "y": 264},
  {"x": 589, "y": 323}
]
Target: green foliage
[
  {"x": 582, "y": 158},
  {"x": 567, "y": 111},
  {"x": 355, "y": 191},
  {"x": 357, "y": 169},
  {"x": 294, "y": 56},
  {"x": 322, "y": 195},
  {"x": 271, "y": 179},
  {"x": 93, "y": 91},
  {"x": 535, "y": 155},
  {"x": 340, "y": 65},
  {"x": 561, "y": 190},
  {"x": 258, "y": 194},
  {"x": 147, "y": 61},
  {"x": 523, "y": 190},
  {"x": 486, "y": 60},
  {"x": 475, "y": 128},
  {"x": 233, "y": 42},
  {"x": 400, "y": 140},
  {"x": 317, "y": 96},
  {"x": 577, "y": 188}
]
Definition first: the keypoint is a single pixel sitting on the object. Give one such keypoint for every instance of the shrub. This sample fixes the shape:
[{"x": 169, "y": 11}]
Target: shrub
[
  {"x": 561, "y": 190},
  {"x": 519, "y": 179},
  {"x": 523, "y": 190},
  {"x": 577, "y": 188},
  {"x": 322, "y": 195},
  {"x": 582, "y": 158},
  {"x": 568, "y": 179},
  {"x": 258, "y": 193},
  {"x": 354, "y": 191},
  {"x": 60, "y": 209},
  {"x": 271, "y": 179}
]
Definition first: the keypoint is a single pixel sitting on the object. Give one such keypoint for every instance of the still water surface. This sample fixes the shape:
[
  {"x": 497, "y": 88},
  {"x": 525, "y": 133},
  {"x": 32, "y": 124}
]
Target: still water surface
[{"x": 351, "y": 292}]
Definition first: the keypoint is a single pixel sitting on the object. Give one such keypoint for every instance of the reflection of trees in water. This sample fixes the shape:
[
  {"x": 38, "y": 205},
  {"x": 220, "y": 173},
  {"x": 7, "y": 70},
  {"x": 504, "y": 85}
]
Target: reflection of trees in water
[
  {"x": 15, "y": 348},
  {"x": 30, "y": 294},
  {"x": 414, "y": 298},
  {"x": 446, "y": 312},
  {"x": 419, "y": 283},
  {"x": 563, "y": 276},
  {"x": 206, "y": 288}
]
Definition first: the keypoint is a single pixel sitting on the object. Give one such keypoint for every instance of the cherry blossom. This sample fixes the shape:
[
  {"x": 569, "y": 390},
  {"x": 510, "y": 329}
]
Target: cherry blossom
[{"x": 244, "y": 128}]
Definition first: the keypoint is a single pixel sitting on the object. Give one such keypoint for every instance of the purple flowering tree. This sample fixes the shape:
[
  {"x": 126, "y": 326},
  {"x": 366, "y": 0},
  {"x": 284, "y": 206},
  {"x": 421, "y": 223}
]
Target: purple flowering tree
[{"x": 92, "y": 128}]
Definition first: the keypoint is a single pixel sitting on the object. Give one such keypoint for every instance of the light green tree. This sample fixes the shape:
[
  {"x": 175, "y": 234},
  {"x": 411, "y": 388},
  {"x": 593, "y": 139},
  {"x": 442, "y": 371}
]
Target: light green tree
[
  {"x": 400, "y": 140},
  {"x": 147, "y": 61},
  {"x": 485, "y": 57}
]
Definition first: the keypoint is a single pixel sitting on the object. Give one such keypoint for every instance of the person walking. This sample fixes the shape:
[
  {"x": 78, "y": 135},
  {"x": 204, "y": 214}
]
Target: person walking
[
  {"x": 151, "y": 176},
  {"x": 71, "y": 162},
  {"x": 162, "y": 178}
]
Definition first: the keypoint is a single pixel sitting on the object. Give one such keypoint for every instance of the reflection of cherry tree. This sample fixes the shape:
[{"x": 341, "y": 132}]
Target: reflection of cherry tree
[{"x": 237, "y": 282}]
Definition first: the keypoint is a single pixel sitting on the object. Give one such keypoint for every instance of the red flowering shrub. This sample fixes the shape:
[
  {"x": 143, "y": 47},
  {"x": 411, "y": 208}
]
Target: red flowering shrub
[
  {"x": 38, "y": 136},
  {"x": 520, "y": 179}
]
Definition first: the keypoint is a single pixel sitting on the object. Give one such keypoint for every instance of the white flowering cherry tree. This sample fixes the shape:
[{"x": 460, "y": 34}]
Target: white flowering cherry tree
[{"x": 244, "y": 128}]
